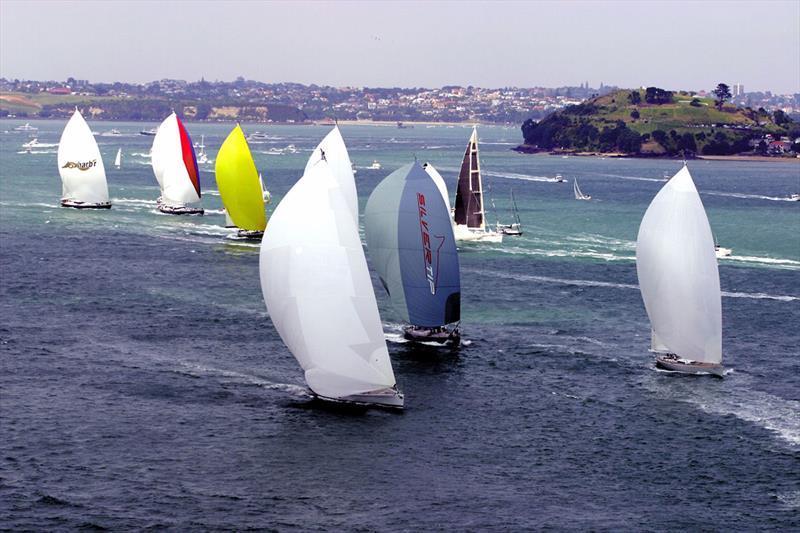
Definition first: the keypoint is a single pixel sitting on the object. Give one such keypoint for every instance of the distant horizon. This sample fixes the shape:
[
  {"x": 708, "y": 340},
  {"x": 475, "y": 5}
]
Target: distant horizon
[
  {"x": 352, "y": 86},
  {"x": 679, "y": 44}
]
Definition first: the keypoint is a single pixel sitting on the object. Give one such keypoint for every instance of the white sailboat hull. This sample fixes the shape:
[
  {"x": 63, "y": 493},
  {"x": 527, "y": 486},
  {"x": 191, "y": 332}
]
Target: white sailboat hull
[
  {"x": 683, "y": 366},
  {"x": 389, "y": 398},
  {"x": 466, "y": 234},
  {"x": 75, "y": 204}
]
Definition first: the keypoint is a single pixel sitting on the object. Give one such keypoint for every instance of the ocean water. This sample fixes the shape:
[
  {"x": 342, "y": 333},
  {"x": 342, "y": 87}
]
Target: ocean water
[{"x": 143, "y": 385}]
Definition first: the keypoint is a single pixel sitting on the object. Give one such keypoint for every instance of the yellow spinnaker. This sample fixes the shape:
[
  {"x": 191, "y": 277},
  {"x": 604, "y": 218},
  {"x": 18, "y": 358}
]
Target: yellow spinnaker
[{"x": 238, "y": 183}]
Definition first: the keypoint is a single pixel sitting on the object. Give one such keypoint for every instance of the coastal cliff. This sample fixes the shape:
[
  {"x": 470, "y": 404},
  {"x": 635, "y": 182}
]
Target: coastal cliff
[{"x": 653, "y": 122}]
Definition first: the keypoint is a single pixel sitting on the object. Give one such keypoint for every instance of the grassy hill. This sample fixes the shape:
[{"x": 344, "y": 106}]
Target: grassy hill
[
  {"x": 655, "y": 122},
  {"x": 46, "y": 105}
]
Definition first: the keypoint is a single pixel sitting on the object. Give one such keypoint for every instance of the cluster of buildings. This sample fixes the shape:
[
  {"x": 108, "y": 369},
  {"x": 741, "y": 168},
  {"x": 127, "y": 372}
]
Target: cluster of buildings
[{"x": 446, "y": 104}]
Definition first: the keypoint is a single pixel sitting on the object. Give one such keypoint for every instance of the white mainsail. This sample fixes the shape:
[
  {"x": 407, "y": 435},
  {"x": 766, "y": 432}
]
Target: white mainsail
[
  {"x": 80, "y": 164},
  {"x": 577, "y": 190},
  {"x": 118, "y": 159},
  {"x": 678, "y": 274},
  {"x": 318, "y": 290},
  {"x": 339, "y": 160}
]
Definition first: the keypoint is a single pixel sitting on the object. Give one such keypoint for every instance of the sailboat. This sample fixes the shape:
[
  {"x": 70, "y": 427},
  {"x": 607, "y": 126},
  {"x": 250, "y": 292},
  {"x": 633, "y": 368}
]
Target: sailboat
[
  {"x": 80, "y": 165},
  {"x": 679, "y": 280},
  {"x": 577, "y": 190},
  {"x": 412, "y": 247},
  {"x": 202, "y": 157},
  {"x": 318, "y": 290},
  {"x": 175, "y": 167},
  {"x": 118, "y": 159},
  {"x": 470, "y": 215},
  {"x": 515, "y": 228},
  {"x": 240, "y": 186}
]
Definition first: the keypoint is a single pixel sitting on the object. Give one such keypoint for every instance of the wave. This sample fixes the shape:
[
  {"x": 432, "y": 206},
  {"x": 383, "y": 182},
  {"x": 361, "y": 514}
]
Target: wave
[
  {"x": 771, "y": 261},
  {"x": 608, "y": 284},
  {"x": 38, "y": 152},
  {"x": 134, "y": 202},
  {"x": 26, "y": 204}
]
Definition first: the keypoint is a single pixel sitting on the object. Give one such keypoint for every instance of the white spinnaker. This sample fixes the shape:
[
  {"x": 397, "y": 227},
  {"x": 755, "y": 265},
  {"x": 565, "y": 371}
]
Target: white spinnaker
[
  {"x": 318, "y": 290},
  {"x": 440, "y": 184},
  {"x": 178, "y": 187},
  {"x": 339, "y": 162},
  {"x": 678, "y": 274},
  {"x": 168, "y": 165},
  {"x": 165, "y": 143},
  {"x": 78, "y": 150}
]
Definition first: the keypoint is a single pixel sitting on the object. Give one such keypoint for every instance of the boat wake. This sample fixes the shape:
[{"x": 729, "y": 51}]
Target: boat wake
[
  {"x": 232, "y": 377},
  {"x": 37, "y": 152},
  {"x": 521, "y": 177},
  {"x": 775, "y": 414},
  {"x": 135, "y": 202},
  {"x": 790, "y": 264},
  {"x": 632, "y": 178},
  {"x": 748, "y": 196}
]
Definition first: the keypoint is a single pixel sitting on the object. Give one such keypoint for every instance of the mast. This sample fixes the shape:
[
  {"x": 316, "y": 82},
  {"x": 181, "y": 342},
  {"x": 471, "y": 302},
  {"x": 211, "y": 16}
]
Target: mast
[{"x": 514, "y": 206}]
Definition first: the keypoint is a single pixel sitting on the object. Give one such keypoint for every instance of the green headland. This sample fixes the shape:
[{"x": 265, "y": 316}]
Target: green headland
[{"x": 654, "y": 122}]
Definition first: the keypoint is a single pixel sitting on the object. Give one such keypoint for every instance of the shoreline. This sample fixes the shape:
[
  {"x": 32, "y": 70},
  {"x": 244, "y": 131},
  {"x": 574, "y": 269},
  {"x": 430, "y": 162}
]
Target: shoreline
[
  {"x": 616, "y": 155},
  {"x": 381, "y": 123}
]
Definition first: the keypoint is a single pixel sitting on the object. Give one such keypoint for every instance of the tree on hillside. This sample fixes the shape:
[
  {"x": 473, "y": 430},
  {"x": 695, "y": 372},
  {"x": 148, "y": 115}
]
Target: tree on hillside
[
  {"x": 780, "y": 117},
  {"x": 722, "y": 92},
  {"x": 635, "y": 98},
  {"x": 655, "y": 95}
]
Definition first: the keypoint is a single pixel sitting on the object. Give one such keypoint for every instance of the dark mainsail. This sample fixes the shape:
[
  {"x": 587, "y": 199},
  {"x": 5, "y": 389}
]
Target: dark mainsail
[{"x": 469, "y": 194}]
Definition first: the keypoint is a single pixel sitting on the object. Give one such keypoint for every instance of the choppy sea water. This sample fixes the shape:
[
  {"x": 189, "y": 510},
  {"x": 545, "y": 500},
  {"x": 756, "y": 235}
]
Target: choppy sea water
[{"x": 143, "y": 384}]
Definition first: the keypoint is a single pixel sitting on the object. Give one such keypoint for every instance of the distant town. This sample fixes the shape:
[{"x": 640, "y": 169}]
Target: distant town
[{"x": 243, "y": 99}]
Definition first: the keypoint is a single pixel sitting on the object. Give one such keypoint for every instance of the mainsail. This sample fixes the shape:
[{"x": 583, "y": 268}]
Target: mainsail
[
  {"x": 678, "y": 273},
  {"x": 469, "y": 195},
  {"x": 318, "y": 290},
  {"x": 239, "y": 183},
  {"x": 80, "y": 164},
  {"x": 174, "y": 163},
  {"x": 412, "y": 247},
  {"x": 333, "y": 149},
  {"x": 118, "y": 158}
]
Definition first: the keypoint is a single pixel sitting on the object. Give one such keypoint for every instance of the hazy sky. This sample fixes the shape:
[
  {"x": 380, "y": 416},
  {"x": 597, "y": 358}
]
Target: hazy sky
[{"x": 674, "y": 45}]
